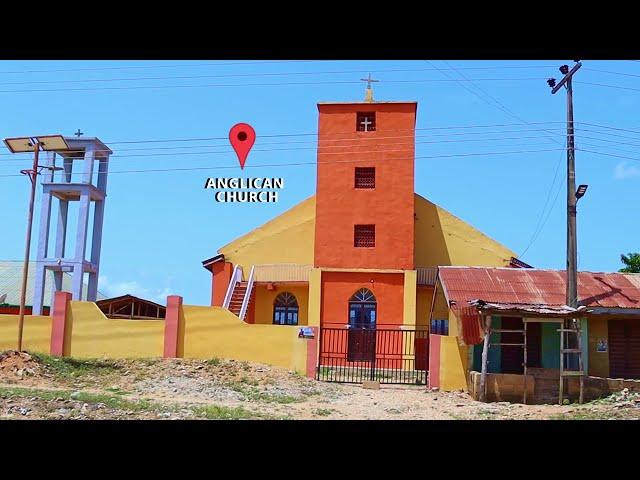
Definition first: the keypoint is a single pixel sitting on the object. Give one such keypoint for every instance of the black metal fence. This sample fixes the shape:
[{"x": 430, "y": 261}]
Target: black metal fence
[{"x": 391, "y": 356}]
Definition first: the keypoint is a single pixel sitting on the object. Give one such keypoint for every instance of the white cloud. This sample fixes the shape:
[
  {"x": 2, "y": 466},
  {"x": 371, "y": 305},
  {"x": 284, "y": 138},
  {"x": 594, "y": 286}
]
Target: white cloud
[
  {"x": 115, "y": 289},
  {"x": 624, "y": 171}
]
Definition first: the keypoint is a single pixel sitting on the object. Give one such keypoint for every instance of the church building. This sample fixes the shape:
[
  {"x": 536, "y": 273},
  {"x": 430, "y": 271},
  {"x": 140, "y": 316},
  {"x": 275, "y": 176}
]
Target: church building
[{"x": 362, "y": 253}]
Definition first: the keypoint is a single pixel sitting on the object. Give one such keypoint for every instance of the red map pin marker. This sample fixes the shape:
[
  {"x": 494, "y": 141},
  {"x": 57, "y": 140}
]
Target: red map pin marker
[{"x": 242, "y": 137}]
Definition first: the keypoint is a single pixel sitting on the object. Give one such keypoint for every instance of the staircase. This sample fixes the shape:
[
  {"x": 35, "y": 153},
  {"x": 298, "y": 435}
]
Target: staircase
[
  {"x": 239, "y": 292},
  {"x": 237, "y": 297}
]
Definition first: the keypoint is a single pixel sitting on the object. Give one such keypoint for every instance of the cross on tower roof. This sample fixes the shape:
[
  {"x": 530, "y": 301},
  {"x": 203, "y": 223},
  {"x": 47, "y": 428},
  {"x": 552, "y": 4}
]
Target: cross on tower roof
[
  {"x": 368, "y": 93},
  {"x": 78, "y": 133}
]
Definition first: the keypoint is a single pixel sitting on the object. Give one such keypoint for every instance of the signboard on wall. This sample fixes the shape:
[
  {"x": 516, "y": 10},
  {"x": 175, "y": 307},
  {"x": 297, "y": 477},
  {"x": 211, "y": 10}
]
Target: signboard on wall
[{"x": 305, "y": 332}]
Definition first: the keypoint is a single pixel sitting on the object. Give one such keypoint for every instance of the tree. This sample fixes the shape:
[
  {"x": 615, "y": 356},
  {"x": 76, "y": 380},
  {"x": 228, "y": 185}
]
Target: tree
[{"x": 632, "y": 263}]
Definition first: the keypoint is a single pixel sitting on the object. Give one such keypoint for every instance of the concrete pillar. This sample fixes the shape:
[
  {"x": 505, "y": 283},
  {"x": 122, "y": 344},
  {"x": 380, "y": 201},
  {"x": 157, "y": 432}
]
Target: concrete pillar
[
  {"x": 410, "y": 296},
  {"x": 174, "y": 328},
  {"x": 96, "y": 245},
  {"x": 315, "y": 297},
  {"x": 312, "y": 352},
  {"x": 81, "y": 244},
  {"x": 61, "y": 325},
  {"x": 61, "y": 233}
]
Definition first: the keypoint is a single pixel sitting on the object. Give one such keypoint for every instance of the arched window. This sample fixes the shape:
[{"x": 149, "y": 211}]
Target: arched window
[
  {"x": 285, "y": 309},
  {"x": 362, "y": 309}
]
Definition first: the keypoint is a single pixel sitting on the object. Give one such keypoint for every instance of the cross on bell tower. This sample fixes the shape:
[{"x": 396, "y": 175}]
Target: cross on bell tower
[{"x": 368, "y": 93}]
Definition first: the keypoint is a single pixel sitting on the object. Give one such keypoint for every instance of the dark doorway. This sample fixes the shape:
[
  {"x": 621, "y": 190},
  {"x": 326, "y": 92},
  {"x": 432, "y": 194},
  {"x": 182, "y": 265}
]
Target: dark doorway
[
  {"x": 362, "y": 326},
  {"x": 512, "y": 356},
  {"x": 624, "y": 349}
]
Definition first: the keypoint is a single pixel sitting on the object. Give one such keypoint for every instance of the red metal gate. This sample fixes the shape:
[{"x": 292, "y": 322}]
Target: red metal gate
[{"x": 351, "y": 355}]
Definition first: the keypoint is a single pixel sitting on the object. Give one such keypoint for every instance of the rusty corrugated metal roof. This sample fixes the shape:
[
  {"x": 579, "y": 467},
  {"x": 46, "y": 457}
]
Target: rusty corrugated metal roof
[{"x": 538, "y": 287}]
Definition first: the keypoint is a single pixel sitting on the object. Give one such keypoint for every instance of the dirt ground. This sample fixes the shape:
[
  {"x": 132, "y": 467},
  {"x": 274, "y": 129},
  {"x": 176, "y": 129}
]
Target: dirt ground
[{"x": 43, "y": 387}]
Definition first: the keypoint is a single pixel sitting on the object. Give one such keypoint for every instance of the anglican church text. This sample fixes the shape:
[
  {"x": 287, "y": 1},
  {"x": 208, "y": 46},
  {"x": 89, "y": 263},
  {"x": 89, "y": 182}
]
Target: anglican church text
[{"x": 245, "y": 190}]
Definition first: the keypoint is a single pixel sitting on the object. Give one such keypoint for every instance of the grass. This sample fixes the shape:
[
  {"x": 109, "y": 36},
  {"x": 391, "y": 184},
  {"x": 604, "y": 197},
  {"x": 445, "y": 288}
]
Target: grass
[
  {"x": 248, "y": 381},
  {"x": 111, "y": 401},
  {"x": 73, "y": 368},
  {"x": 216, "y": 412},
  {"x": 117, "y": 391},
  {"x": 587, "y": 415},
  {"x": 18, "y": 392},
  {"x": 212, "y": 412},
  {"x": 323, "y": 412},
  {"x": 253, "y": 394},
  {"x": 213, "y": 361}
]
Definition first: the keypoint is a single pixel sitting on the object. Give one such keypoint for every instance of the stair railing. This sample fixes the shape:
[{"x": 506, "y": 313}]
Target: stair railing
[
  {"x": 236, "y": 277},
  {"x": 247, "y": 294}
]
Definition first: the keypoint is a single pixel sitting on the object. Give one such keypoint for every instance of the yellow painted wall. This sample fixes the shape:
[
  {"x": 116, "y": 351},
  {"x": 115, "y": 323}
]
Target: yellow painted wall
[
  {"x": 265, "y": 299},
  {"x": 288, "y": 238},
  {"x": 443, "y": 239},
  {"x": 598, "y": 361},
  {"x": 95, "y": 336},
  {"x": 208, "y": 332},
  {"x": 315, "y": 289},
  {"x": 453, "y": 364},
  {"x": 410, "y": 297},
  {"x": 440, "y": 239},
  {"x": 441, "y": 309},
  {"x": 36, "y": 335},
  {"x": 216, "y": 332},
  {"x": 423, "y": 305}
]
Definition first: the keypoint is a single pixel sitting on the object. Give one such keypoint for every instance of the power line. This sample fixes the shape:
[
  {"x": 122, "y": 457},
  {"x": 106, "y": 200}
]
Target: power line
[
  {"x": 146, "y": 67},
  {"x": 609, "y": 86},
  {"x": 321, "y": 140},
  {"x": 608, "y": 127},
  {"x": 227, "y": 150},
  {"x": 551, "y": 208},
  {"x": 224, "y": 64},
  {"x": 509, "y": 112},
  {"x": 609, "y": 154},
  {"x": 226, "y": 75},
  {"x": 612, "y": 72},
  {"x": 272, "y": 84},
  {"x": 540, "y": 224},
  {"x": 408, "y": 150},
  {"x": 302, "y": 163}
]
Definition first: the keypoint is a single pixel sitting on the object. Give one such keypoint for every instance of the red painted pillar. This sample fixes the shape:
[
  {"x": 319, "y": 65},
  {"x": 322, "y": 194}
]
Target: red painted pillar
[
  {"x": 220, "y": 276},
  {"x": 174, "y": 328},
  {"x": 61, "y": 325},
  {"x": 312, "y": 353}
]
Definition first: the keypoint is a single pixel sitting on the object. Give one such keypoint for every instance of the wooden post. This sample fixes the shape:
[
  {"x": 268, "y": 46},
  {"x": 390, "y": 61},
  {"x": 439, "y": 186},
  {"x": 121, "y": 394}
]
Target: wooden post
[
  {"x": 561, "y": 387},
  {"x": 485, "y": 355},
  {"x": 524, "y": 394},
  {"x": 580, "y": 358}
]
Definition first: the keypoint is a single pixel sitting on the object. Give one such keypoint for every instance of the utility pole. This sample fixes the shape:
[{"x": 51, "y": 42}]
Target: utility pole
[
  {"x": 32, "y": 174},
  {"x": 572, "y": 244},
  {"x": 23, "y": 145},
  {"x": 570, "y": 344}
]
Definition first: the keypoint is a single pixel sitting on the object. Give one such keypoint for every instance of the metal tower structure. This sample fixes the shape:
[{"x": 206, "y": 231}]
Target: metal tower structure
[{"x": 72, "y": 186}]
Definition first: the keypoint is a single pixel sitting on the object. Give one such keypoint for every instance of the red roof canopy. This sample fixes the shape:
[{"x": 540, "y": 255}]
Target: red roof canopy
[
  {"x": 538, "y": 287},
  {"x": 521, "y": 287}
]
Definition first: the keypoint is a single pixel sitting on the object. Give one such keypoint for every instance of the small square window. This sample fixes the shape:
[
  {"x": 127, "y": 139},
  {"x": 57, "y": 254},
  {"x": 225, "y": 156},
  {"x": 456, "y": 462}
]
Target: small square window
[
  {"x": 364, "y": 236},
  {"x": 365, "y": 177},
  {"x": 366, "y": 122}
]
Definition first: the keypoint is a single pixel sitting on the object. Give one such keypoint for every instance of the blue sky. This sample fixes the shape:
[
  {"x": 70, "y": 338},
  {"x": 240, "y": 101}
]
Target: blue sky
[{"x": 159, "y": 226}]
